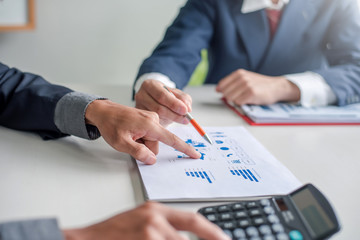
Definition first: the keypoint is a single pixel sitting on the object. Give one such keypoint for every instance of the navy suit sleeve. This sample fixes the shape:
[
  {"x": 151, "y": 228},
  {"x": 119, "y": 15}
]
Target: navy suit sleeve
[
  {"x": 179, "y": 52},
  {"x": 343, "y": 52},
  {"x": 27, "y": 102}
]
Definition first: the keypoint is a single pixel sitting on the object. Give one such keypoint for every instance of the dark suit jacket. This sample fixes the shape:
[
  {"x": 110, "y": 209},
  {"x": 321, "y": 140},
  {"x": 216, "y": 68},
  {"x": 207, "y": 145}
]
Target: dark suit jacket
[
  {"x": 322, "y": 36},
  {"x": 27, "y": 102}
]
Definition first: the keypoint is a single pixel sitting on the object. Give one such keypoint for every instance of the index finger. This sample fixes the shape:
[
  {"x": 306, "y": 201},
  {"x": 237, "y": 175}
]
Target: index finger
[
  {"x": 165, "y": 136},
  {"x": 168, "y": 99}
]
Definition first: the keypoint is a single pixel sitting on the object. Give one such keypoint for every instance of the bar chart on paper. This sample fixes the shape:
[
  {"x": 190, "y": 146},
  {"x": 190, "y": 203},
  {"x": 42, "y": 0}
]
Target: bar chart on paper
[{"x": 235, "y": 166}]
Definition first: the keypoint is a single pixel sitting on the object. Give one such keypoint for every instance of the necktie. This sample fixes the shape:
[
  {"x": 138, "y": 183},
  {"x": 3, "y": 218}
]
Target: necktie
[{"x": 274, "y": 18}]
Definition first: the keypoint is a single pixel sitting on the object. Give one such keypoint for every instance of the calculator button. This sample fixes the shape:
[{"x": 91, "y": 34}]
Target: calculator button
[
  {"x": 251, "y": 205},
  {"x": 282, "y": 236},
  {"x": 255, "y": 212},
  {"x": 278, "y": 228},
  {"x": 228, "y": 232},
  {"x": 252, "y": 231},
  {"x": 269, "y": 237},
  {"x": 224, "y": 208},
  {"x": 237, "y": 206},
  {"x": 273, "y": 218},
  {"x": 209, "y": 210},
  {"x": 239, "y": 233},
  {"x": 265, "y": 202},
  {"x": 241, "y": 214},
  {"x": 225, "y": 216},
  {"x": 258, "y": 221},
  {"x": 228, "y": 225},
  {"x": 296, "y": 235},
  {"x": 269, "y": 210},
  {"x": 244, "y": 223},
  {"x": 255, "y": 238},
  {"x": 211, "y": 217},
  {"x": 265, "y": 230}
]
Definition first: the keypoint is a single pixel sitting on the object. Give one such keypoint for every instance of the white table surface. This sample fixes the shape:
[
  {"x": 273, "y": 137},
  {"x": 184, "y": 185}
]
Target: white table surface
[{"x": 82, "y": 182}]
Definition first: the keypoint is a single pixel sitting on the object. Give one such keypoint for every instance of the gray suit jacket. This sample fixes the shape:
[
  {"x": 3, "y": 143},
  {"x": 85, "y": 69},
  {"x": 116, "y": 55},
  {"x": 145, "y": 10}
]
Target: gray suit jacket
[{"x": 41, "y": 229}]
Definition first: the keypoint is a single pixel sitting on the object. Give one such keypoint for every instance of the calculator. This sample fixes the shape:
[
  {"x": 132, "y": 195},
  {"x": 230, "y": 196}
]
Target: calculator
[{"x": 301, "y": 215}]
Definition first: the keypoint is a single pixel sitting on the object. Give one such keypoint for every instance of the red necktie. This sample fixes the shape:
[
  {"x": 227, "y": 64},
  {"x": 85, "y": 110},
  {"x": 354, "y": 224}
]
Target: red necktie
[{"x": 274, "y": 18}]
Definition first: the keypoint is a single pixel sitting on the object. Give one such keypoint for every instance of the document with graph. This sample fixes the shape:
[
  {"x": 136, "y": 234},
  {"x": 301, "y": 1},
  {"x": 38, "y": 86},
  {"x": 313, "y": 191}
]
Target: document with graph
[{"x": 235, "y": 166}]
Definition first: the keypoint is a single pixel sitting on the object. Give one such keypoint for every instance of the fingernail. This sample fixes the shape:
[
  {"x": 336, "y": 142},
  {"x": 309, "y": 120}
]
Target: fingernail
[
  {"x": 181, "y": 110},
  {"x": 189, "y": 107},
  {"x": 151, "y": 159},
  {"x": 185, "y": 120}
]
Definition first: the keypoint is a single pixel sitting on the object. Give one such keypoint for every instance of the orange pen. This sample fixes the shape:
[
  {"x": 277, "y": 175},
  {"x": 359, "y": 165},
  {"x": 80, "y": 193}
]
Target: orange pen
[{"x": 195, "y": 124}]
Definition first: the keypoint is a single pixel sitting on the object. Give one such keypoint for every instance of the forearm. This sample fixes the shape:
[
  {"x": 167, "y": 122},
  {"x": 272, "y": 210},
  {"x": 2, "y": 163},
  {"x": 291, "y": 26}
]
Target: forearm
[{"x": 27, "y": 102}]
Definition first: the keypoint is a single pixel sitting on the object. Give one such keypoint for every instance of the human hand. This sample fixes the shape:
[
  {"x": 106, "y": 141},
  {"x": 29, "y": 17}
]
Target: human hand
[
  {"x": 147, "y": 222},
  {"x": 245, "y": 87},
  {"x": 171, "y": 106},
  {"x": 133, "y": 131}
]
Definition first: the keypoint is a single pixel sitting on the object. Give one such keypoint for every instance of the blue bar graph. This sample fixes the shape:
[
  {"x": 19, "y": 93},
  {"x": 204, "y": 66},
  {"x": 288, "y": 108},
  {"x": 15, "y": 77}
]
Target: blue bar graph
[
  {"x": 252, "y": 175},
  {"x": 202, "y": 175},
  {"x": 242, "y": 174},
  {"x": 246, "y": 174},
  {"x": 207, "y": 177}
]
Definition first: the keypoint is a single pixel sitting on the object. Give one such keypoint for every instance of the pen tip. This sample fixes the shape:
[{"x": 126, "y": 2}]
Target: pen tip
[{"x": 208, "y": 139}]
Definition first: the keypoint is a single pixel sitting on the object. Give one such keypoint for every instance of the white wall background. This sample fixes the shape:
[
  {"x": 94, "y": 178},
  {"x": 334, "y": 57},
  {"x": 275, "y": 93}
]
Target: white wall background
[{"x": 89, "y": 41}]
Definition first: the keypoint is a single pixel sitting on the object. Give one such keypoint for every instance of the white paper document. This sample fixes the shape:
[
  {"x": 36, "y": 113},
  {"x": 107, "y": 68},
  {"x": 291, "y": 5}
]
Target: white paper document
[
  {"x": 235, "y": 166},
  {"x": 290, "y": 113}
]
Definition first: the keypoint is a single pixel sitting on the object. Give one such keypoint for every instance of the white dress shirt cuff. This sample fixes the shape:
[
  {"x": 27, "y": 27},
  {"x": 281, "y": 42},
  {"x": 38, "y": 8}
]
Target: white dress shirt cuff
[
  {"x": 313, "y": 88},
  {"x": 155, "y": 76}
]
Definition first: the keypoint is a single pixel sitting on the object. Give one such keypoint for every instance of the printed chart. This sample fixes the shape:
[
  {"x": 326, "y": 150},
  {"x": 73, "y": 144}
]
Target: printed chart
[{"x": 235, "y": 165}]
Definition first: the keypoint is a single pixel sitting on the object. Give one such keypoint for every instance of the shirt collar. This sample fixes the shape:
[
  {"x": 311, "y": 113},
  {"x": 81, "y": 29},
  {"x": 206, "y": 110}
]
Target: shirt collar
[{"x": 255, "y": 5}]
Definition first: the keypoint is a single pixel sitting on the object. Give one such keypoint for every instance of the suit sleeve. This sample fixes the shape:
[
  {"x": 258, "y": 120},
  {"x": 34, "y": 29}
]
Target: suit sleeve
[
  {"x": 42, "y": 229},
  {"x": 178, "y": 53},
  {"x": 27, "y": 102},
  {"x": 343, "y": 53}
]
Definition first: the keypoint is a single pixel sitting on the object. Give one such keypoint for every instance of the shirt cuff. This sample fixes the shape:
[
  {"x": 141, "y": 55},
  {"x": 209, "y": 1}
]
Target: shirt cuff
[
  {"x": 41, "y": 229},
  {"x": 156, "y": 76},
  {"x": 314, "y": 90},
  {"x": 70, "y": 115}
]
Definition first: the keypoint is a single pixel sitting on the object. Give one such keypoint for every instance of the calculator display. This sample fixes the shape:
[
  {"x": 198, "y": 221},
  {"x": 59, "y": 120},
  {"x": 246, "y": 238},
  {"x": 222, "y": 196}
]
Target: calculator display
[{"x": 318, "y": 221}]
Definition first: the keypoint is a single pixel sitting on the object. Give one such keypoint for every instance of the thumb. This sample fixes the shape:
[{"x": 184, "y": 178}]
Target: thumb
[{"x": 140, "y": 152}]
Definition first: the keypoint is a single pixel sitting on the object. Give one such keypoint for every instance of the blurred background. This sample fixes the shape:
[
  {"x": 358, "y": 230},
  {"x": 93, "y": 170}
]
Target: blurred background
[{"x": 89, "y": 41}]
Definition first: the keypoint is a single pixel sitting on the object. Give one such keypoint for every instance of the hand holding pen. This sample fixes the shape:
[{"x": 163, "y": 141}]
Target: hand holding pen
[
  {"x": 195, "y": 124},
  {"x": 152, "y": 96}
]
